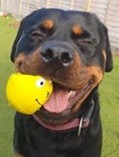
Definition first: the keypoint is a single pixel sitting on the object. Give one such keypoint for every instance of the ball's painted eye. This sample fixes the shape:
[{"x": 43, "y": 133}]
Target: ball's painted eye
[{"x": 40, "y": 82}]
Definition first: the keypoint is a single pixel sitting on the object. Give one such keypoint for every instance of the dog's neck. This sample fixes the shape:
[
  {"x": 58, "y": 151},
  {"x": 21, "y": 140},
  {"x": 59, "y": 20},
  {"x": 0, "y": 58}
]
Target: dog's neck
[{"x": 82, "y": 122}]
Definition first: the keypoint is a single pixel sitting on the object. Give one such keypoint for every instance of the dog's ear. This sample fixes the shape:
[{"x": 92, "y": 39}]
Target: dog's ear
[
  {"x": 107, "y": 47},
  {"x": 108, "y": 52},
  {"x": 25, "y": 23},
  {"x": 16, "y": 40}
]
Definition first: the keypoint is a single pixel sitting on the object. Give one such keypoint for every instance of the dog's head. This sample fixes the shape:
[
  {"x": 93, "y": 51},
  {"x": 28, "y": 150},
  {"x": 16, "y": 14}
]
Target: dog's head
[{"x": 69, "y": 47}]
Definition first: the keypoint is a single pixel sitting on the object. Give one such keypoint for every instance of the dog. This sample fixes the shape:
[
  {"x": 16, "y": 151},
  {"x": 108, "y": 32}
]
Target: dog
[{"x": 72, "y": 49}]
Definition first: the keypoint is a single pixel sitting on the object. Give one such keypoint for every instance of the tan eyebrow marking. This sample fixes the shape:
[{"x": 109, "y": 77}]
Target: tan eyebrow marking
[
  {"x": 77, "y": 30},
  {"x": 48, "y": 24}
]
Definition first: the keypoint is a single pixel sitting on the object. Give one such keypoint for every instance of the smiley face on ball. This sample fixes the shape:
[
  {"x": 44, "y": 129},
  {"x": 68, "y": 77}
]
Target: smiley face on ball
[{"x": 41, "y": 83}]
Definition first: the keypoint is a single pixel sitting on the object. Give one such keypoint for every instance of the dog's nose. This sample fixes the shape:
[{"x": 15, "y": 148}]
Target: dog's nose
[{"x": 57, "y": 52}]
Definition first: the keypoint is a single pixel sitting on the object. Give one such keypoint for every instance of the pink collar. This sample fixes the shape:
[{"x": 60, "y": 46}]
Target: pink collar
[
  {"x": 80, "y": 123},
  {"x": 72, "y": 124}
]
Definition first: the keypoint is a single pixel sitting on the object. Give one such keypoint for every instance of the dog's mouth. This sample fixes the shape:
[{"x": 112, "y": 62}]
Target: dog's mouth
[
  {"x": 64, "y": 99},
  {"x": 64, "y": 104}
]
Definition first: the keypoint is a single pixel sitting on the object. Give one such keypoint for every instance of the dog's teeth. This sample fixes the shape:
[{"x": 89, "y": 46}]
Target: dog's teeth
[{"x": 71, "y": 94}]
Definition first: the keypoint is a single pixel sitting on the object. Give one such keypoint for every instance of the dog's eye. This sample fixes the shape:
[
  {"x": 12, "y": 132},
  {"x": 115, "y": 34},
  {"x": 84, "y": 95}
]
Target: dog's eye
[
  {"x": 37, "y": 35},
  {"x": 40, "y": 83},
  {"x": 84, "y": 42}
]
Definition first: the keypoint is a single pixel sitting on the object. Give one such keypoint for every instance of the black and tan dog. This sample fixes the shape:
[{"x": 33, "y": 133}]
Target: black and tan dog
[{"x": 72, "y": 49}]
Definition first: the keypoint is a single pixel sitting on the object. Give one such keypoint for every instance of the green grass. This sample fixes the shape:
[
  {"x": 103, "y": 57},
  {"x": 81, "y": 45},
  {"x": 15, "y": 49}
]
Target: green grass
[
  {"x": 7, "y": 34},
  {"x": 109, "y": 93}
]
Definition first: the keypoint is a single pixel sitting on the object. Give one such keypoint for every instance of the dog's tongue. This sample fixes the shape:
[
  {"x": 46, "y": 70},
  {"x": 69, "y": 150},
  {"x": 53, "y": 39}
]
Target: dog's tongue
[{"x": 58, "y": 101}]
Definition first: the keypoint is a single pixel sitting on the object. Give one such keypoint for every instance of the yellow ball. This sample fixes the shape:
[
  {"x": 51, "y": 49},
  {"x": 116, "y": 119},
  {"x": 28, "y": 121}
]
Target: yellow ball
[{"x": 27, "y": 93}]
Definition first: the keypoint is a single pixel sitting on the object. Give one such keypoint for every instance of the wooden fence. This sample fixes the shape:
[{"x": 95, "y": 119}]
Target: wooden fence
[{"x": 107, "y": 11}]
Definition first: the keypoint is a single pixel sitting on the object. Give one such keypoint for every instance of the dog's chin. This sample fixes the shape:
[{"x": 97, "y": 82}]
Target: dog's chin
[{"x": 64, "y": 104}]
